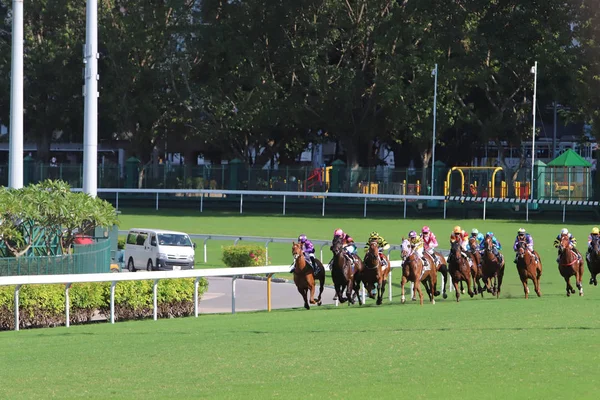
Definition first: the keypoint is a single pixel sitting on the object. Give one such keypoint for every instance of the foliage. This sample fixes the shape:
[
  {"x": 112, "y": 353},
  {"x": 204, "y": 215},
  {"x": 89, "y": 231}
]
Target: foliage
[
  {"x": 243, "y": 256},
  {"x": 44, "y": 305},
  {"x": 49, "y": 211}
]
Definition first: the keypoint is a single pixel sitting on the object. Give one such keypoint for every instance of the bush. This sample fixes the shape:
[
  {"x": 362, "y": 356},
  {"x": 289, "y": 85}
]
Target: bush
[
  {"x": 243, "y": 256},
  {"x": 121, "y": 243},
  {"x": 44, "y": 305}
]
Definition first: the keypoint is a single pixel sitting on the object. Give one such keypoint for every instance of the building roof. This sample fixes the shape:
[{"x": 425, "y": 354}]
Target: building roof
[{"x": 569, "y": 159}]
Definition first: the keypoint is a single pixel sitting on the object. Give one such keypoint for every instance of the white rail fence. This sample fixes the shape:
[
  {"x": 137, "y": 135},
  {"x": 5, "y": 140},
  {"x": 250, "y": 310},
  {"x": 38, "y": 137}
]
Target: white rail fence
[
  {"x": 404, "y": 199},
  {"x": 156, "y": 276}
]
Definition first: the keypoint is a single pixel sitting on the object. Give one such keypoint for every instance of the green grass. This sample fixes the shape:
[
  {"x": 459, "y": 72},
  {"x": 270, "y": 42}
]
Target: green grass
[
  {"x": 480, "y": 348},
  {"x": 485, "y": 349}
]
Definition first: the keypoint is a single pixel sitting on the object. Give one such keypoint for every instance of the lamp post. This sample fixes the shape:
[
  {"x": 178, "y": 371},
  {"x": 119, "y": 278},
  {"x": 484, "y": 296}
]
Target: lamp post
[
  {"x": 534, "y": 72},
  {"x": 434, "y": 73},
  {"x": 15, "y": 155},
  {"x": 90, "y": 113}
]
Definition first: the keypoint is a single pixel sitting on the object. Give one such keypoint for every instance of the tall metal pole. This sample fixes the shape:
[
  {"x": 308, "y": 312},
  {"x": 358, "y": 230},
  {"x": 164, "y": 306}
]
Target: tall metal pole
[
  {"x": 90, "y": 118},
  {"x": 533, "y": 128},
  {"x": 554, "y": 133},
  {"x": 435, "y": 74},
  {"x": 15, "y": 155}
]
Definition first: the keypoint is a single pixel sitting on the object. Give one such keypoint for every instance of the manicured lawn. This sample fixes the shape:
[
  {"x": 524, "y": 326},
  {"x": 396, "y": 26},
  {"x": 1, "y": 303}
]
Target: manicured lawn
[{"x": 486, "y": 349}]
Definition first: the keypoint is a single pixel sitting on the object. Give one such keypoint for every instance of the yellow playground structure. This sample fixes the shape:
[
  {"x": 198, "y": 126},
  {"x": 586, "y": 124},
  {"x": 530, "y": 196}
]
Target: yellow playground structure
[{"x": 470, "y": 186}]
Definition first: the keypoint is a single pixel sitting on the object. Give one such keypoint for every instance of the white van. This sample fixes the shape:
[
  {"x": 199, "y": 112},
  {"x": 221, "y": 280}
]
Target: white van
[{"x": 156, "y": 249}]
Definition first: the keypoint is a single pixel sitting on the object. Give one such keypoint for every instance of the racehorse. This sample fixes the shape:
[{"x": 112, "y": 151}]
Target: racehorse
[
  {"x": 529, "y": 268},
  {"x": 413, "y": 270},
  {"x": 492, "y": 267},
  {"x": 304, "y": 276},
  {"x": 476, "y": 271},
  {"x": 569, "y": 264},
  {"x": 375, "y": 272},
  {"x": 342, "y": 273},
  {"x": 593, "y": 260},
  {"x": 442, "y": 267},
  {"x": 459, "y": 269}
]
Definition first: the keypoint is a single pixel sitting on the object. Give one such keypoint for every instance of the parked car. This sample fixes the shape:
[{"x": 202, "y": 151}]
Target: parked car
[{"x": 158, "y": 249}]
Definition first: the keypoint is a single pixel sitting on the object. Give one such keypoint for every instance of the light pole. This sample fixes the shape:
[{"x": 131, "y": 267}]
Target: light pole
[
  {"x": 90, "y": 113},
  {"x": 434, "y": 73},
  {"x": 534, "y": 71},
  {"x": 15, "y": 155}
]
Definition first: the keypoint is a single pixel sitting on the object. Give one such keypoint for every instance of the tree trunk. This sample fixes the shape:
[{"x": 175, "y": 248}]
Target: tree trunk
[
  {"x": 43, "y": 146},
  {"x": 425, "y": 157}
]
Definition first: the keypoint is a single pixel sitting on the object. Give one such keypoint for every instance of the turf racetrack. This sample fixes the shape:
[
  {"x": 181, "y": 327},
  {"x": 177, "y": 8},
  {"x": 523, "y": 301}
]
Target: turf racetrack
[{"x": 480, "y": 348}]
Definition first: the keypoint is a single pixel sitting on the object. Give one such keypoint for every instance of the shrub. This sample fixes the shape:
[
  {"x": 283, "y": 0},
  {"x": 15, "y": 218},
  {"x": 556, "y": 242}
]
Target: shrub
[
  {"x": 44, "y": 305},
  {"x": 243, "y": 256},
  {"x": 121, "y": 243}
]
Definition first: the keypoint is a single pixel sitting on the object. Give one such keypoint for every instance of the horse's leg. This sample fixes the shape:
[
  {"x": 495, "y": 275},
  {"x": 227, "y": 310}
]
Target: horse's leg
[
  {"x": 462, "y": 289},
  {"x": 304, "y": 293},
  {"x": 500, "y": 278},
  {"x": 524, "y": 283},
  {"x": 380, "y": 290},
  {"x": 418, "y": 290},
  {"x": 578, "y": 278},
  {"x": 403, "y": 298},
  {"x": 455, "y": 283},
  {"x": 444, "y": 271},
  {"x": 569, "y": 287},
  {"x": 432, "y": 277},
  {"x": 311, "y": 288},
  {"x": 321, "y": 285},
  {"x": 538, "y": 275}
]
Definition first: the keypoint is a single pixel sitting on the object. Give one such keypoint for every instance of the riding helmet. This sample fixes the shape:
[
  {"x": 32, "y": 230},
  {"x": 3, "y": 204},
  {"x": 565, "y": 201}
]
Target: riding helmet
[
  {"x": 302, "y": 238},
  {"x": 522, "y": 231},
  {"x": 412, "y": 234},
  {"x": 425, "y": 230},
  {"x": 338, "y": 232},
  {"x": 457, "y": 229},
  {"x": 595, "y": 231},
  {"x": 474, "y": 231},
  {"x": 564, "y": 231}
]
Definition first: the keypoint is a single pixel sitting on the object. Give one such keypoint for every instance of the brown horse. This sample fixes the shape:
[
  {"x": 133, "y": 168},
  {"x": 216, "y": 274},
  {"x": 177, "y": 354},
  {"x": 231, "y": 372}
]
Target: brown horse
[
  {"x": 375, "y": 272},
  {"x": 492, "y": 267},
  {"x": 442, "y": 267},
  {"x": 593, "y": 260},
  {"x": 529, "y": 268},
  {"x": 569, "y": 264},
  {"x": 343, "y": 273},
  {"x": 476, "y": 271},
  {"x": 304, "y": 276},
  {"x": 413, "y": 270},
  {"x": 459, "y": 269}
]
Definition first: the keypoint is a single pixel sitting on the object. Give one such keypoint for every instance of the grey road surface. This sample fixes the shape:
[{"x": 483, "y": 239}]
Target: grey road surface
[{"x": 251, "y": 295}]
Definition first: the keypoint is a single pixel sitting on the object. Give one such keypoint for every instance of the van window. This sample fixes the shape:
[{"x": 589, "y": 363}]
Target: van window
[
  {"x": 141, "y": 239},
  {"x": 173, "y": 239},
  {"x": 132, "y": 238},
  {"x": 153, "y": 240}
]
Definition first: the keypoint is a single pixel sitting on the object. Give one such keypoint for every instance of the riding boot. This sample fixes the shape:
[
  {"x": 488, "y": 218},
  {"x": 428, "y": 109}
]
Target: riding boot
[
  {"x": 516, "y": 258},
  {"x": 425, "y": 263}
]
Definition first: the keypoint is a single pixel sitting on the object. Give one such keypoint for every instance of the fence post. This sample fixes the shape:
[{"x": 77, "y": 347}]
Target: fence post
[
  {"x": 484, "y": 202},
  {"x": 67, "y": 305},
  {"x": 404, "y": 208},
  {"x": 156, "y": 201},
  {"x": 112, "y": 301},
  {"x": 283, "y": 204},
  {"x": 269, "y": 292},
  {"x": 241, "y": 202},
  {"x": 267, "y": 252},
  {"x": 233, "y": 278},
  {"x": 154, "y": 300},
  {"x": 205, "y": 253},
  {"x": 17, "y": 307},
  {"x": 527, "y": 210},
  {"x": 323, "y": 211},
  {"x": 202, "y": 202},
  {"x": 196, "y": 281},
  {"x": 445, "y": 209},
  {"x": 365, "y": 209},
  {"x": 564, "y": 210},
  {"x": 117, "y": 201}
]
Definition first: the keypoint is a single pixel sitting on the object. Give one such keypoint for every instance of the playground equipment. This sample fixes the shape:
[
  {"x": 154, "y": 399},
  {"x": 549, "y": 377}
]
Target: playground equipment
[
  {"x": 317, "y": 177},
  {"x": 472, "y": 188}
]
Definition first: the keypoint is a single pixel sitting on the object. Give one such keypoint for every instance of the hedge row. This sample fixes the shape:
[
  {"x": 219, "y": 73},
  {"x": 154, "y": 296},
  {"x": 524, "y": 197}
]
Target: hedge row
[
  {"x": 44, "y": 305},
  {"x": 244, "y": 256}
]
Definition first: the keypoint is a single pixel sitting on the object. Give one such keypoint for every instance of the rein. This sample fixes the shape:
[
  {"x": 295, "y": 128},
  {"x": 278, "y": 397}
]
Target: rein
[{"x": 572, "y": 262}]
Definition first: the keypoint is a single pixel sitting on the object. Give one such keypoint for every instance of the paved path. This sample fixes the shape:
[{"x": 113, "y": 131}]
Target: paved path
[{"x": 251, "y": 295}]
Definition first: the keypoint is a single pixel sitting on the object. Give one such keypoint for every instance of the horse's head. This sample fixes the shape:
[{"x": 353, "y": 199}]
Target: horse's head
[
  {"x": 406, "y": 248},
  {"x": 596, "y": 245},
  {"x": 488, "y": 242},
  {"x": 473, "y": 242},
  {"x": 455, "y": 250},
  {"x": 337, "y": 246},
  {"x": 373, "y": 247},
  {"x": 521, "y": 249},
  {"x": 565, "y": 243},
  {"x": 296, "y": 250}
]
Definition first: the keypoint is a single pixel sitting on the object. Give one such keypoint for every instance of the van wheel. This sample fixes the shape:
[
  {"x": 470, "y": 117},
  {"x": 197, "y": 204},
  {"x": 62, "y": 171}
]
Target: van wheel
[
  {"x": 130, "y": 265},
  {"x": 150, "y": 267}
]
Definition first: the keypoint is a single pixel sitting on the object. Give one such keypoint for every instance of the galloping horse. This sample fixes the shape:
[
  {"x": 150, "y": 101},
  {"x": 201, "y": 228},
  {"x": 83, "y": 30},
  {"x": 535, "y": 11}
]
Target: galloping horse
[
  {"x": 304, "y": 278},
  {"x": 375, "y": 272},
  {"x": 342, "y": 273},
  {"x": 593, "y": 260},
  {"x": 459, "y": 269},
  {"x": 413, "y": 270},
  {"x": 492, "y": 268},
  {"x": 476, "y": 271},
  {"x": 442, "y": 267},
  {"x": 569, "y": 264},
  {"x": 529, "y": 268}
]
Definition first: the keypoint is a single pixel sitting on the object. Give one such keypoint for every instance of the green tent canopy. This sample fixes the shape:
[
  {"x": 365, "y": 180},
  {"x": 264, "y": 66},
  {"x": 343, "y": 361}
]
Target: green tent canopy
[{"x": 569, "y": 159}]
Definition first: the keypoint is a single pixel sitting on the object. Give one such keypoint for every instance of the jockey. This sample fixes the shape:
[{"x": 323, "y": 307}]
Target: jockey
[
  {"x": 523, "y": 237},
  {"x": 347, "y": 242},
  {"x": 478, "y": 236},
  {"x": 382, "y": 244},
  {"x": 461, "y": 237},
  {"x": 416, "y": 242},
  {"x": 429, "y": 242},
  {"x": 495, "y": 246},
  {"x": 565, "y": 232},
  {"x": 308, "y": 249}
]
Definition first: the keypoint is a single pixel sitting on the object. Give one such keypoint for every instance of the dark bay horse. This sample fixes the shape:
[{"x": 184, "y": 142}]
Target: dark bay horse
[
  {"x": 304, "y": 277},
  {"x": 593, "y": 260},
  {"x": 375, "y": 272},
  {"x": 459, "y": 269},
  {"x": 492, "y": 268},
  {"x": 529, "y": 268},
  {"x": 442, "y": 267},
  {"x": 413, "y": 270},
  {"x": 477, "y": 270},
  {"x": 343, "y": 273},
  {"x": 569, "y": 264}
]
